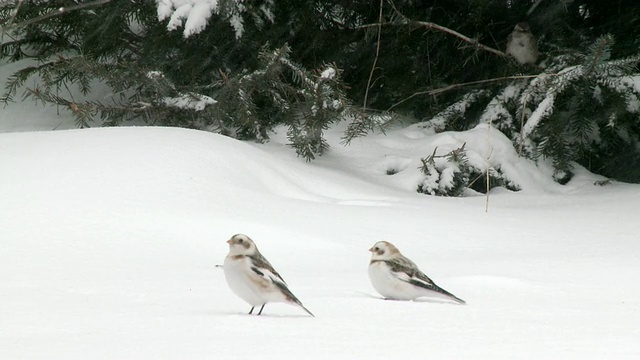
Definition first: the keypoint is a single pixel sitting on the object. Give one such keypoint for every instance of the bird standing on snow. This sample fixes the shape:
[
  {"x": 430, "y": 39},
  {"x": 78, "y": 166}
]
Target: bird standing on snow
[
  {"x": 522, "y": 45},
  {"x": 396, "y": 277},
  {"x": 252, "y": 278}
]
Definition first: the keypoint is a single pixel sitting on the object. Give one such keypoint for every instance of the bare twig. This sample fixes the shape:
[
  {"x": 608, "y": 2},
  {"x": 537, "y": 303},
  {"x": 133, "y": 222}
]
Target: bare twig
[
  {"x": 375, "y": 60},
  {"x": 456, "y": 86},
  {"x": 489, "y": 151},
  {"x": 434, "y": 26},
  {"x": 57, "y": 12},
  {"x": 467, "y": 39}
]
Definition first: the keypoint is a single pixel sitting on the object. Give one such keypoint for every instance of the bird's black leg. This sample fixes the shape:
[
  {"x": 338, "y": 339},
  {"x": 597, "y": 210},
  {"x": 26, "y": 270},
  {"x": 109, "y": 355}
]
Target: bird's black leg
[
  {"x": 251, "y": 311},
  {"x": 260, "y": 312}
]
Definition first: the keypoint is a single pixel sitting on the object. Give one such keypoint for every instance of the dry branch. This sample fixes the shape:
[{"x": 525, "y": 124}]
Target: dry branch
[
  {"x": 375, "y": 60},
  {"x": 456, "y": 86}
]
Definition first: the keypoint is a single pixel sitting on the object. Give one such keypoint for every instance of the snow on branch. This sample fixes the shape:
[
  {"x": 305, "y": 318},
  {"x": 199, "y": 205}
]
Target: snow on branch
[
  {"x": 559, "y": 82},
  {"x": 193, "y": 14},
  {"x": 544, "y": 109},
  {"x": 189, "y": 101}
]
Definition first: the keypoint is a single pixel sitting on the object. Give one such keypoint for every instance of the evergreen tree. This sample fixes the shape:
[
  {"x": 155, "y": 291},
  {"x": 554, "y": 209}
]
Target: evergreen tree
[{"x": 240, "y": 68}]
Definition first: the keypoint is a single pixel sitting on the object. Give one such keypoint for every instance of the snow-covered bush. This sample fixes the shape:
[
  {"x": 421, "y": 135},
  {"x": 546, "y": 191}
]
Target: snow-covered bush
[
  {"x": 452, "y": 173},
  {"x": 582, "y": 108}
]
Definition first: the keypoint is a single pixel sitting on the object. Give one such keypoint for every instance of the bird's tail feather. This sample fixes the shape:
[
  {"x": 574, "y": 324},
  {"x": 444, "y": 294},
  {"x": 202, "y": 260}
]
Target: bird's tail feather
[
  {"x": 448, "y": 294},
  {"x": 433, "y": 287},
  {"x": 305, "y": 309},
  {"x": 289, "y": 295}
]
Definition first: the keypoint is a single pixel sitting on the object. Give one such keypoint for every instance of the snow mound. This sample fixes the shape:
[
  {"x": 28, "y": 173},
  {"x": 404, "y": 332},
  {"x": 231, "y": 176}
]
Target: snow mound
[
  {"x": 109, "y": 240},
  {"x": 393, "y": 159}
]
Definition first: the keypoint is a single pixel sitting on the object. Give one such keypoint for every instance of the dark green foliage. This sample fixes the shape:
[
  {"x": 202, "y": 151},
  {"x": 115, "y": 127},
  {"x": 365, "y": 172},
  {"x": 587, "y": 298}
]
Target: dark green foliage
[
  {"x": 620, "y": 18},
  {"x": 584, "y": 109},
  {"x": 576, "y": 107},
  {"x": 164, "y": 79},
  {"x": 589, "y": 101}
]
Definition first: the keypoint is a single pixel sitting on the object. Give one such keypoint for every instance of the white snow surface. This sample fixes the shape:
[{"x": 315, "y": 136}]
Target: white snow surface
[{"x": 110, "y": 237}]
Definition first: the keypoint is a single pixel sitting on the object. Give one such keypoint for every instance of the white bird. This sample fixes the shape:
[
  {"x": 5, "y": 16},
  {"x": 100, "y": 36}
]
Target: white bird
[
  {"x": 252, "y": 278},
  {"x": 396, "y": 277},
  {"x": 522, "y": 45}
]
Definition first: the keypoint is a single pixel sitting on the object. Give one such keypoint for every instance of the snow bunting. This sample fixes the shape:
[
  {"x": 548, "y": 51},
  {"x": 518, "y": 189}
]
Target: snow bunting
[
  {"x": 522, "y": 45},
  {"x": 396, "y": 277},
  {"x": 252, "y": 278}
]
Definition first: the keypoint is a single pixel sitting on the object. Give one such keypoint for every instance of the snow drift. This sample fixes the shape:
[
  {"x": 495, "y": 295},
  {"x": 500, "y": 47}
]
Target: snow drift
[{"x": 109, "y": 240}]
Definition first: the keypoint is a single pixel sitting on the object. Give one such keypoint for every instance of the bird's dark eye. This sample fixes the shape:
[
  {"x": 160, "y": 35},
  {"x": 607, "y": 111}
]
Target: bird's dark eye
[
  {"x": 240, "y": 241},
  {"x": 375, "y": 248}
]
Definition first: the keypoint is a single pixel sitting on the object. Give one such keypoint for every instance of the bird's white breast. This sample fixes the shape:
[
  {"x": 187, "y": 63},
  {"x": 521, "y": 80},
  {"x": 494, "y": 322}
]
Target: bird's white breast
[
  {"x": 238, "y": 273},
  {"x": 389, "y": 285},
  {"x": 523, "y": 49}
]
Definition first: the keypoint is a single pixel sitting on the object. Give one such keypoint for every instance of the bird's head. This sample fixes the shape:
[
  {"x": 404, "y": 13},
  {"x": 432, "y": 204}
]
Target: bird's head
[
  {"x": 241, "y": 244},
  {"x": 383, "y": 250},
  {"x": 522, "y": 27}
]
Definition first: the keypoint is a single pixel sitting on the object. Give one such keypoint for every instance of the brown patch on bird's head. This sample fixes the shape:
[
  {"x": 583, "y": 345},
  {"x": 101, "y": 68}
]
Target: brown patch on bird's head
[
  {"x": 383, "y": 249},
  {"x": 240, "y": 239},
  {"x": 241, "y": 244}
]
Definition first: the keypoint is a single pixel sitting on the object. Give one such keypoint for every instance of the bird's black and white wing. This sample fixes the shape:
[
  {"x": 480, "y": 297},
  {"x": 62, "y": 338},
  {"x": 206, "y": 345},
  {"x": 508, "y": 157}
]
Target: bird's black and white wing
[
  {"x": 261, "y": 267},
  {"x": 407, "y": 271}
]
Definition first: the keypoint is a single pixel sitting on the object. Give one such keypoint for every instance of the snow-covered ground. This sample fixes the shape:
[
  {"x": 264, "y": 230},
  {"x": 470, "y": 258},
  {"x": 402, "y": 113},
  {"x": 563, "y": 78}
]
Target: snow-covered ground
[{"x": 110, "y": 237}]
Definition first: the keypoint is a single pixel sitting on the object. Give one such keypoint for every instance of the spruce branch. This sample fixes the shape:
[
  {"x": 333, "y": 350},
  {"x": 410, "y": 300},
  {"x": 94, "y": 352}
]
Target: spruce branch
[
  {"x": 60, "y": 11},
  {"x": 363, "y": 123},
  {"x": 599, "y": 52}
]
